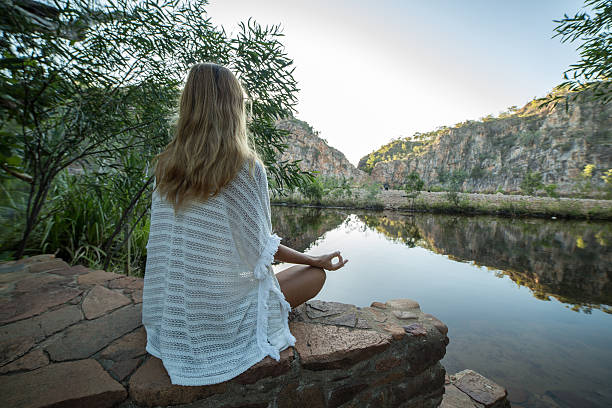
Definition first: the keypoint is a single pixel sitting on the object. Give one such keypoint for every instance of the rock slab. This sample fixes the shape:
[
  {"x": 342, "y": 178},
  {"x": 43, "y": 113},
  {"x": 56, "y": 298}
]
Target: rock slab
[{"x": 81, "y": 383}]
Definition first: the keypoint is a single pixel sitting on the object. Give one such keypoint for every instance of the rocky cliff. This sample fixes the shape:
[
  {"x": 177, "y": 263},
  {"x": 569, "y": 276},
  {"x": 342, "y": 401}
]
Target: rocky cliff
[
  {"x": 496, "y": 153},
  {"x": 315, "y": 153}
]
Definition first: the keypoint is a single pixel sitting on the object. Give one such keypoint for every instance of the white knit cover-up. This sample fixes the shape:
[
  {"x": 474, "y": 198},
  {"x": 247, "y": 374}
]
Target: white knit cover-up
[{"x": 207, "y": 308}]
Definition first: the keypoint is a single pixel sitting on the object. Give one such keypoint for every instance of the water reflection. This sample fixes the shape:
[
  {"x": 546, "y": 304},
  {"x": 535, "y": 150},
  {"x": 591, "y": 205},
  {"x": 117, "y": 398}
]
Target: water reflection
[
  {"x": 300, "y": 228},
  {"x": 544, "y": 353},
  {"x": 567, "y": 260}
]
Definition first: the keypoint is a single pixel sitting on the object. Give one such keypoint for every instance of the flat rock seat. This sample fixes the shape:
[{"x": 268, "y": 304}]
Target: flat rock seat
[{"x": 72, "y": 336}]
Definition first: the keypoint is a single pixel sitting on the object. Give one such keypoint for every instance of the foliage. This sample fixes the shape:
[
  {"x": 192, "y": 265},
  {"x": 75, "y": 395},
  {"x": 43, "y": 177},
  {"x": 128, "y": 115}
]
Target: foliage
[
  {"x": 337, "y": 187},
  {"x": 607, "y": 176},
  {"x": 413, "y": 186},
  {"x": 477, "y": 172},
  {"x": 551, "y": 190},
  {"x": 594, "y": 70},
  {"x": 398, "y": 149},
  {"x": 91, "y": 86},
  {"x": 531, "y": 183},
  {"x": 607, "y": 187},
  {"x": 313, "y": 190},
  {"x": 585, "y": 179},
  {"x": 453, "y": 182},
  {"x": 372, "y": 190}
]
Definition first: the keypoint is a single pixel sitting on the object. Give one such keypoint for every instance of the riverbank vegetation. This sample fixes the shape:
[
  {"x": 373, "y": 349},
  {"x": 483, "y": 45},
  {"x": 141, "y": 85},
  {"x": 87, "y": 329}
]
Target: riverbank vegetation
[{"x": 340, "y": 192}]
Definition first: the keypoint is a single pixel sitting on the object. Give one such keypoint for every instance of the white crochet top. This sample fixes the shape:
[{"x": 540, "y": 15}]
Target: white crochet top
[{"x": 212, "y": 306}]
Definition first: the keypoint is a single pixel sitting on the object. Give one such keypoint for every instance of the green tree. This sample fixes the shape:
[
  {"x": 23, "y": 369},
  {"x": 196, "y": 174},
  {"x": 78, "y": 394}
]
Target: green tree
[
  {"x": 594, "y": 70},
  {"x": 413, "y": 187},
  {"x": 453, "y": 182},
  {"x": 92, "y": 85},
  {"x": 551, "y": 190},
  {"x": 531, "y": 183},
  {"x": 312, "y": 190}
]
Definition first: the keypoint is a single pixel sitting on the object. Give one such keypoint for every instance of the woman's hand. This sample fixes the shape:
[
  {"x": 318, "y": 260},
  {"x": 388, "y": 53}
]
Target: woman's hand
[{"x": 325, "y": 261}]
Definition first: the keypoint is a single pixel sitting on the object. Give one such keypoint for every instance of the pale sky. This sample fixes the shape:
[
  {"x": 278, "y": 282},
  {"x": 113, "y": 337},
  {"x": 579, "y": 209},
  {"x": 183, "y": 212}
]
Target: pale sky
[{"x": 372, "y": 71}]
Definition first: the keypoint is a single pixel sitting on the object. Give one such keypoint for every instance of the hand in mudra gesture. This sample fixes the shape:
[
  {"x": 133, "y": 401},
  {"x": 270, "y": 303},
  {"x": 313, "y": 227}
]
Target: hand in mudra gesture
[{"x": 325, "y": 261}]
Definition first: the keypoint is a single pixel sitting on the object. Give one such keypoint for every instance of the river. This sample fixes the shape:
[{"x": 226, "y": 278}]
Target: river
[{"x": 528, "y": 302}]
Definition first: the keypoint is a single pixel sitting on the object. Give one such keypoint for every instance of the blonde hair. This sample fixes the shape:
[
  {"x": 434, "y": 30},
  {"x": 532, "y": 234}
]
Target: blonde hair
[{"x": 210, "y": 143}]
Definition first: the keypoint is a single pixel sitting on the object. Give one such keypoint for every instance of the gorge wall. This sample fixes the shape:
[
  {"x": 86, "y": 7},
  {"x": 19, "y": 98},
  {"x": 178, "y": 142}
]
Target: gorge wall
[
  {"x": 496, "y": 153},
  {"x": 315, "y": 153}
]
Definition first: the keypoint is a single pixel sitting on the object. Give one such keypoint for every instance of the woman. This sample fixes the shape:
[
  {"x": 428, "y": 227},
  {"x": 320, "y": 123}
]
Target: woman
[{"x": 212, "y": 306}]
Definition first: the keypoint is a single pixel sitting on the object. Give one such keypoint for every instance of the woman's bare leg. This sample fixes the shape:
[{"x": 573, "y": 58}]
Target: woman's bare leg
[{"x": 300, "y": 283}]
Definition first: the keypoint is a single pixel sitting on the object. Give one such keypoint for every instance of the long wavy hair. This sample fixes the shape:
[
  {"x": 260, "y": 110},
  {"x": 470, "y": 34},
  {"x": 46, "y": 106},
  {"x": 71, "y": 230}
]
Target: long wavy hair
[{"x": 210, "y": 143}]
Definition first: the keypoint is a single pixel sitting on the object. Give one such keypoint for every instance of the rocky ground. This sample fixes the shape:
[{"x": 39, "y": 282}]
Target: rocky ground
[{"x": 72, "y": 336}]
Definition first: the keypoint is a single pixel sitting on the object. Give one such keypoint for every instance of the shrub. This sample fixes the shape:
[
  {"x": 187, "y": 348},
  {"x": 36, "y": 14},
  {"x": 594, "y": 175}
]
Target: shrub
[{"x": 531, "y": 183}]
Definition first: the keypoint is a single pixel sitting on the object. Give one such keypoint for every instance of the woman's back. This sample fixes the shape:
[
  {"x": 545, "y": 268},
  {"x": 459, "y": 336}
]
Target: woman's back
[{"x": 206, "y": 303}]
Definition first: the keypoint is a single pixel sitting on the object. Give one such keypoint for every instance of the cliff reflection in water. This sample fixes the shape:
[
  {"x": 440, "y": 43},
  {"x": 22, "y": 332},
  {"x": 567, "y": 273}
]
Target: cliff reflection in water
[
  {"x": 568, "y": 260},
  {"x": 300, "y": 228}
]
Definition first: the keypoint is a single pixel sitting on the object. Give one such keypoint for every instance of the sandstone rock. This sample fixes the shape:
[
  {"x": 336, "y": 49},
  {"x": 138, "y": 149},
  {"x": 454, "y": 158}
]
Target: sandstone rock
[
  {"x": 268, "y": 367},
  {"x": 150, "y": 386},
  {"x": 82, "y": 383},
  {"x": 378, "y": 305},
  {"x": 314, "y": 153},
  {"x": 124, "y": 368},
  {"x": 48, "y": 266},
  {"x": 97, "y": 278},
  {"x": 415, "y": 329},
  {"x": 126, "y": 347},
  {"x": 347, "y": 319},
  {"x": 377, "y": 315},
  {"x": 39, "y": 282},
  {"x": 428, "y": 386},
  {"x": 328, "y": 347},
  {"x": 442, "y": 328},
  {"x": 13, "y": 273},
  {"x": 479, "y": 388},
  {"x": 35, "y": 258},
  {"x": 295, "y": 396},
  {"x": 396, "y": 331},
  {"x": 14, "y": 347},
  {"x": 559, "y": 150},
  {"x": 137, "y": 296},
  {"x": 318, "y": 308},
  {"x": 344, "y": 393},
  {"x": 25, "y": 305},
  {"x": 126, "y": 282},
  {"x": 58, "y": 319},
  {"x": 402, "y": 304},
  {"x": 72, "y": 271},
  {"x": 387, "y": 363},
  {"x": 87, "y": 337},
  {"x": 363, "y": 324},
  {"x": 33, "y": 360},
  {"x": 24, "y": 333},
  {"x": 454, "y": 398},
  {"x": 404, "y": 315},
  {"x": 100, "y": 300}
]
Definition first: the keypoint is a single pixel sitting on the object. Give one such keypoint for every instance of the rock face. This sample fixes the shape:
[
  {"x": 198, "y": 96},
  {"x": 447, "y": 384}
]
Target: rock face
[
  {"x": 89, "y": 351},
  {"x": 315, "y": 153},
  {"x": 496, "y": 153}
]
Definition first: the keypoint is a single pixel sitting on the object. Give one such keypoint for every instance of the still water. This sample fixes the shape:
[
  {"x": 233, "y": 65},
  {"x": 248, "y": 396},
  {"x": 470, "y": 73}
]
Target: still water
[{"x": 528, "y": 302}]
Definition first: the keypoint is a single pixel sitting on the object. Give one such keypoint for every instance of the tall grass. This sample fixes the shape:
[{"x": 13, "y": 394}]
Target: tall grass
[{"x": 81, "y": 214}]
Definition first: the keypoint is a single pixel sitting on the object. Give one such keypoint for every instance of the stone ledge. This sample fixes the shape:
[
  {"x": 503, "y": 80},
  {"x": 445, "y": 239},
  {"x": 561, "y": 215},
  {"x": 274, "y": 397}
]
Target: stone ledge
[
  {"x": 468, "y": 389},
  {"x": 70, "y": 336}
]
